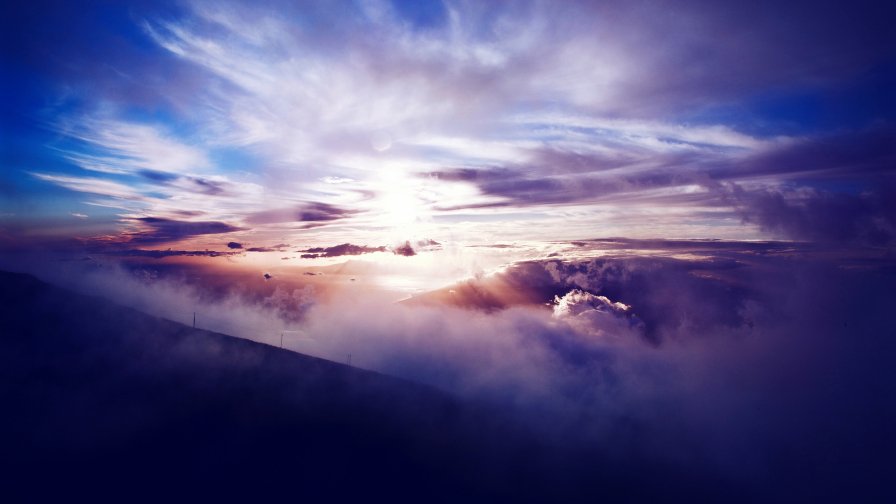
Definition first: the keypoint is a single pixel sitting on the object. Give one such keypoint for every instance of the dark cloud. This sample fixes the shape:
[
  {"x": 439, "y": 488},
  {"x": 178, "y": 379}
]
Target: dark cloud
[
  {"x": 856, "y": 155},
  {"x": 707, "y": 247},
  {"x": 530, "y": 187},
  {"x": 345, "y": 249},
  {"x": 832, "y": 189},
  {"x": 555, "y": 176},
  {"x": 280, "y": 247},
  {"x": 310, "y": 212},
  {"x": 167, "y": 253},
  {"x": 234, "y": 245},
  {"x": 158, "y": 230},
  {"x": 405, "y": 249},
  {"x": 825, "y": 216}
]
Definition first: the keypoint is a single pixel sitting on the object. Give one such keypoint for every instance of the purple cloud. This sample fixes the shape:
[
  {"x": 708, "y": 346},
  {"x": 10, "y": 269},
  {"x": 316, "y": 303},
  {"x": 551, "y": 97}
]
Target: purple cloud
[
  {"x": 405, "y": 249},
  {"x": 158, "y": 254},
  {"x": 345, "y": 249},
  {"x": 310, "y": 212},
  {"x": 817, "y": 215},
  {"x": 152, "y": 230}
]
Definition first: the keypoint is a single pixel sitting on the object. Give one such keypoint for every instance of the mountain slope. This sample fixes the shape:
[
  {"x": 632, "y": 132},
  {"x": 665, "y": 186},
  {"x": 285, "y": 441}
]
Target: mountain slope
[
  {"x": 105, "y": 401},
  {"x": 102, "y": 396}
]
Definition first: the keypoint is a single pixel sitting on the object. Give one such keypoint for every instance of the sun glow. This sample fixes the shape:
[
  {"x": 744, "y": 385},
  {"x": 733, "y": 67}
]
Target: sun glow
[{"x": 400, "y": 206}]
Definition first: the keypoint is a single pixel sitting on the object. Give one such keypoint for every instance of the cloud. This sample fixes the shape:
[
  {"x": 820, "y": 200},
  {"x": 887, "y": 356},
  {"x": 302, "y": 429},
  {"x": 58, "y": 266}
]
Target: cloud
[
  {"x": 280, "y": 247},
  {"x": 157, "y": 254},
  {"x": 405, "y": 249},
  {"x": 345, "y": 249},
  {"x": 554, "y": 116},
  {"x": 772, "y": 355},
  {"x": 823, "y": 216},
  {"x": 309, "y": 212},
  {"x": 234, "y": 245},
  {"x": 94, "y": 186},
  {"x": 150, "y": 230},
  {"x": 129, "y": 147},
  {"x": 509, "y": 123},
  {"x": 672, "y": 287},
  {"x": 595, "y": 315}
]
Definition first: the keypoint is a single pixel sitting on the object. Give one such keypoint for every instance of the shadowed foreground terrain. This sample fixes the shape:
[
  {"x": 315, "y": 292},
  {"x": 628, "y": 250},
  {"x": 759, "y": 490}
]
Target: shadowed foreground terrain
[{"x": 106, "y": 401}]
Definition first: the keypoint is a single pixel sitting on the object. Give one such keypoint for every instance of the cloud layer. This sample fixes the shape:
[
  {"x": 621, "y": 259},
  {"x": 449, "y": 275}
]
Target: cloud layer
[{"x": 748, "y": 361}]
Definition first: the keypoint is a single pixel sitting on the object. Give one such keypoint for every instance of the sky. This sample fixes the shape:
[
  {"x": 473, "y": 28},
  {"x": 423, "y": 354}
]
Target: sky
[
  {"x": 667, "y": 224},
  {"x": 191, "y": 125}
]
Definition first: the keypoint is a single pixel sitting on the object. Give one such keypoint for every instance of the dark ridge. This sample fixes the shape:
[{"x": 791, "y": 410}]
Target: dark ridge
[{"x": 102, "y": 402}]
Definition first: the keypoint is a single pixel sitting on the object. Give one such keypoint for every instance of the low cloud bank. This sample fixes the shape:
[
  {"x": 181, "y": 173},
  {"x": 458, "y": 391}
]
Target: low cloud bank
[{"x": 755, "y": 366}]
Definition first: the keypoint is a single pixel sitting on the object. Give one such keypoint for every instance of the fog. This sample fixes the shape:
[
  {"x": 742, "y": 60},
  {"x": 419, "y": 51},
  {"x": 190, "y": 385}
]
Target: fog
[{"x": 748, "y": 364}]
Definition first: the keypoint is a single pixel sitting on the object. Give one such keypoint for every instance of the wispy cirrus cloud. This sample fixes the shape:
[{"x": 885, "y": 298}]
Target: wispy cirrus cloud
[
  {"x": 383, "y": 125},
  {"x": 127, "y": 147}
]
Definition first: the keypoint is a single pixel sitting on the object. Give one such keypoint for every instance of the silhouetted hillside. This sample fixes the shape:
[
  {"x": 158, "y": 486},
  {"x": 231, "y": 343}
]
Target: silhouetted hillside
[{"x": 104, "y": 401}]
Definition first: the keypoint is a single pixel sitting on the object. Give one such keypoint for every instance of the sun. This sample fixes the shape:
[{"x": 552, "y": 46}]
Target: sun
[{"x": 398, "y": 206}]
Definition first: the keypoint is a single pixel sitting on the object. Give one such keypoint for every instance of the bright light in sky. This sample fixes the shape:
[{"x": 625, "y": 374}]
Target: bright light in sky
[{"x": 227, "y": 122}]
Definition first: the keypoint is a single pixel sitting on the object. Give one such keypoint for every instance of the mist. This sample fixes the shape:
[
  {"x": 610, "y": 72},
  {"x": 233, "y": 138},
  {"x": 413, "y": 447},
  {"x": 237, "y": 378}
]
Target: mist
[{"x": 745, "y": 365}]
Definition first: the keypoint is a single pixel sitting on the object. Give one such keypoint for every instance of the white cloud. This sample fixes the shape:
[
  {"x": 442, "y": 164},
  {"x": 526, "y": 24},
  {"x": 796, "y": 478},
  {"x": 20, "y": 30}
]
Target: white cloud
[
  {"x": 596, "y": 315},
  {"x": 357, "y": 117},
  {"x": 129, "y": 147}
]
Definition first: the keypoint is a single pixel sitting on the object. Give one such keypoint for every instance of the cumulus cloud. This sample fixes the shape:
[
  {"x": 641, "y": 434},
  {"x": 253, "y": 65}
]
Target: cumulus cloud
[
  {"x": 596, "y": 315},
  {"x": 667, "y": 292}
]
